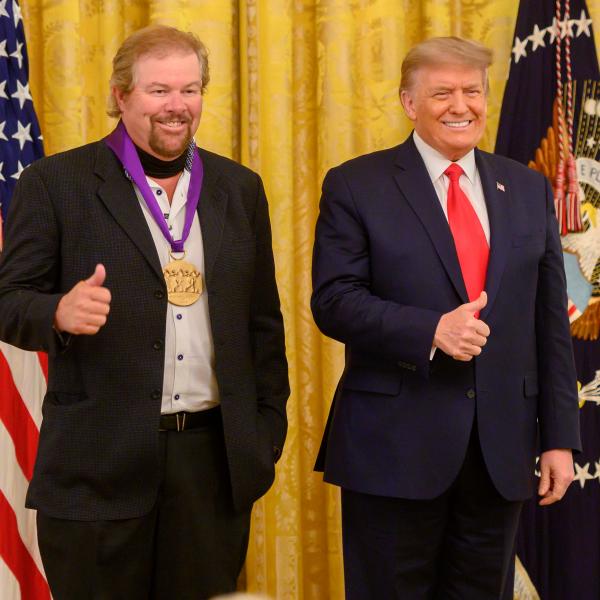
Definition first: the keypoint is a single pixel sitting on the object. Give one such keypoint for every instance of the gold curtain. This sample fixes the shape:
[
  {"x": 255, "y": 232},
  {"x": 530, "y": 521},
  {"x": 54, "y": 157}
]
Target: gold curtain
[{"x": 296, "y": 87}]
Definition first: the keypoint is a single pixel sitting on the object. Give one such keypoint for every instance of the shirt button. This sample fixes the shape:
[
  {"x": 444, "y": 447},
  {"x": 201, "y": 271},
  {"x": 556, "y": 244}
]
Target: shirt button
[
  {"x": 471, "y": 393},
  {"x": 158, "y": 192},
  {"x": 179, "y": 317},
  {"x": 158, "y": 294},
  {"x": 176, "y": 396},
  {"x": 180, "y": 357},
  {"x": 157, "y": 345}
]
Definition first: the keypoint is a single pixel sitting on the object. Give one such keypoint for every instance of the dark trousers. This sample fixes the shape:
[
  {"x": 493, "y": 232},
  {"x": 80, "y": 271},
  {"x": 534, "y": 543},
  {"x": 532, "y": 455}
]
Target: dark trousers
[
  {"x": 192, "y": 544},
  {"x": 455, "y": 547}
]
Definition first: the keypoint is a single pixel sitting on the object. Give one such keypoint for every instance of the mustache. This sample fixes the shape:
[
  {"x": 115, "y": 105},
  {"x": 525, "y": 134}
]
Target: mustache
[{"x": 183, "y": 117}]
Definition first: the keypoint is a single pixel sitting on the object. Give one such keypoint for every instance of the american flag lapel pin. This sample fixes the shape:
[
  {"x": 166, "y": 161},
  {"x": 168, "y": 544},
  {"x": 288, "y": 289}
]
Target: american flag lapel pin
[{"x": 500, "y": 186}]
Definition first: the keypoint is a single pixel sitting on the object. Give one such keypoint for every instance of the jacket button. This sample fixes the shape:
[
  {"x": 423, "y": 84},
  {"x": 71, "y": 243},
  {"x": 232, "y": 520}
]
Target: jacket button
[
  {"x": 471, "y": 393},
  {"x": 157, "y": 345},
  {"x": 159, "y": 294},
  {"x": 156, "y": 395}
]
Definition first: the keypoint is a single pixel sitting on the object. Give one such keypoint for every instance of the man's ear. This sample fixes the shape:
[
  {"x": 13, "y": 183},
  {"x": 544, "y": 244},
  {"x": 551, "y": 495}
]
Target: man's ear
[
  {"x": 119, "y": 96},
  {"x": 408, "y": 104}
]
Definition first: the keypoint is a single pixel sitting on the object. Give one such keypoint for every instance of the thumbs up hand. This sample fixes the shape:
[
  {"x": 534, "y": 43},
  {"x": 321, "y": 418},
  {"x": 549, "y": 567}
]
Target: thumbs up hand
[
  {"x": 84, "y": 309},
  {"x": 98, "y": 276},
  {"x": 460, "y": 333}
]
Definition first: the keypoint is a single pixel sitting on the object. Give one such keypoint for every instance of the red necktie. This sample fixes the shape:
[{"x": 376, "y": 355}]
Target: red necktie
[{"x": 471, "y": 246}]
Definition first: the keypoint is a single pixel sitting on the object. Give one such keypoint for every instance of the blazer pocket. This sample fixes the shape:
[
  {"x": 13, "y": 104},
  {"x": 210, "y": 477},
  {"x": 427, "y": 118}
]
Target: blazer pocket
[
  {"x": 378, "y": 382},
  {"x": 530, "y": 385},
  {"x": 65, "y": 398}
]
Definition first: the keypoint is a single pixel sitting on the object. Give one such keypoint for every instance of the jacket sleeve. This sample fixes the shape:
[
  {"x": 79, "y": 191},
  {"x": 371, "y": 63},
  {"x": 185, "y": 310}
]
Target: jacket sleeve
[
  {"x": 29, "y": 268},
  {"x": 343, "y": 302},
  {"x": 267, "y": 331},
  {"x": 558, "y": 407}
]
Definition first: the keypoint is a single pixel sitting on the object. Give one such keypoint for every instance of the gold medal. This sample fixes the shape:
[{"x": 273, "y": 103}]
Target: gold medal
[{"x": 184, "y": 282}]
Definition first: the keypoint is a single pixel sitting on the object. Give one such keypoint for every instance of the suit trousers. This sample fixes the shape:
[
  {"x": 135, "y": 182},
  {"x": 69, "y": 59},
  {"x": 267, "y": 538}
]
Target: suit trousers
[
  {"x": 457, "y": 546},
  {"x": 191, "y": 545}
]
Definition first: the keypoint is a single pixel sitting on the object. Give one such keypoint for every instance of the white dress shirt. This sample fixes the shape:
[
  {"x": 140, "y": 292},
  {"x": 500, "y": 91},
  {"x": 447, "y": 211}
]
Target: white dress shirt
[
  {"x": 189, "y": 376},
  {"x": 469, "y": 182}
]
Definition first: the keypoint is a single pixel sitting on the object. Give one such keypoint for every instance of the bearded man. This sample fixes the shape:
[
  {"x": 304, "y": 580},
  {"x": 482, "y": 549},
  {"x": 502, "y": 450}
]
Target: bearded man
[{"x": 143, "y": 266}]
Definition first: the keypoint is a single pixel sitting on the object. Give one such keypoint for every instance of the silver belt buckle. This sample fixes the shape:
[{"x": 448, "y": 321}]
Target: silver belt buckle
[{"x": 180, "y": 423}]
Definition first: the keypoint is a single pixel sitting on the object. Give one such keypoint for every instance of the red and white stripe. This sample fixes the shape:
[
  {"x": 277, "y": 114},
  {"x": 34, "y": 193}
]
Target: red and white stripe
[
  {"x": 573, "y": 312},
  {"x": 23, "y": 379}
]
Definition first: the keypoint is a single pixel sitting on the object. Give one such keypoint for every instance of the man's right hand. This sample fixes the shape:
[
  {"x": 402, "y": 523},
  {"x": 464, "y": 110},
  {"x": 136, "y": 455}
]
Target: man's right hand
[
  {"x": 84, "y": 309},
  {"x": 460, "y": 334}
]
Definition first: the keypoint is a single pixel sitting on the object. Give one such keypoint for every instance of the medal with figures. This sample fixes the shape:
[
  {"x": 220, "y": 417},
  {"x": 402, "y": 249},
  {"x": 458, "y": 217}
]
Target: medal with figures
[{"x": 184, "y": 282}]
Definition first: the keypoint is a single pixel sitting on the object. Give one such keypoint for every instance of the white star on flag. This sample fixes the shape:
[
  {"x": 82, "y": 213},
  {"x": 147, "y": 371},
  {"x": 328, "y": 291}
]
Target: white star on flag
[
  {"x": 553, "y": 30},
  {"x": 500, "y": 186},
  {"x": 19, "y": 170},
  {"x": 2, "y": 134},
  {"x": 537, "y": 37},
  {"x": 3, "y": 90},
  {"x": 583, "y": 24},
  {"x": 3, "y": 52},
  {"x": 17, "y": 14},
  {"x": 582, "y": 474},
  {"x": 3, "y": 12},
  {"x": 566, "y": 28},
  {"x": 22, "y": 94},
  {"x": 22, "y": 134},
  {"x": 519, "y": 49},
  {"x": 18, "y": 54},
  {"x": 1, "y": 175}
]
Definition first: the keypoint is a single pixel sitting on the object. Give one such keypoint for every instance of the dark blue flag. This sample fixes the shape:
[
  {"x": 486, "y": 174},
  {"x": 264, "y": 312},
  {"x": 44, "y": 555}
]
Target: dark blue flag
[
  {"x": 559, "y": 545},
  {"x": 20, "y": 138},
  {"x": 532, "y": 83}
]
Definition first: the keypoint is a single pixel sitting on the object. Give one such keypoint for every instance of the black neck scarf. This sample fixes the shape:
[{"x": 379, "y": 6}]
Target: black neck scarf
[{"x": 161, "y": 169}]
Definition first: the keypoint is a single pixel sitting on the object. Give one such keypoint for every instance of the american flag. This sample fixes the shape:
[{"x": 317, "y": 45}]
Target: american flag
[{"x": 23, "y": 375}]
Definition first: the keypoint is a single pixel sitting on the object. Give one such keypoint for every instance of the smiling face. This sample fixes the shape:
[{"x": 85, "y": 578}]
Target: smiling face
[
  {"x": 162, "y": 111},
  {"x": 447, "y": 105}
]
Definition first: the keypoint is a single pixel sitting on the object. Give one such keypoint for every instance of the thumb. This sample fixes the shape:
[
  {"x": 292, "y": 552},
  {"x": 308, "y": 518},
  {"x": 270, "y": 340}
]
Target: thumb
[
  {"x": 97, "y": 279},
  {"x": 544, "y": 485},
  {"x": 478, "y": 304}
]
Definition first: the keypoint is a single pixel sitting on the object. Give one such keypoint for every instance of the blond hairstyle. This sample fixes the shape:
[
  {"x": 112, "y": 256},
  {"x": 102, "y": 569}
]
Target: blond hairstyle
[
  {"x": 445, "y": 51},
  {"x": 157, "y": 40}
]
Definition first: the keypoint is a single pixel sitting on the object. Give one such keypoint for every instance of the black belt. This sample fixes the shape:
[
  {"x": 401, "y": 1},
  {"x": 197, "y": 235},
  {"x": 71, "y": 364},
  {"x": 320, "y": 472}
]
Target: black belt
[{"x": 189, "y": 420}]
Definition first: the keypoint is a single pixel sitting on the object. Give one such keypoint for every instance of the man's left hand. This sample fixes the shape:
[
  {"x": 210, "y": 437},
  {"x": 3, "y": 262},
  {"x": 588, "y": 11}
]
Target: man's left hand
[{"x": 556, "y": 468}]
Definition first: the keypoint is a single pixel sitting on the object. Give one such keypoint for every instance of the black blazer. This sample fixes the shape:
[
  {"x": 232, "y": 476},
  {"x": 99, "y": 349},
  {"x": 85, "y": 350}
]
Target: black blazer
[
  {"x": 98, "y": 450},
  {"x": 385, "y": 270}
]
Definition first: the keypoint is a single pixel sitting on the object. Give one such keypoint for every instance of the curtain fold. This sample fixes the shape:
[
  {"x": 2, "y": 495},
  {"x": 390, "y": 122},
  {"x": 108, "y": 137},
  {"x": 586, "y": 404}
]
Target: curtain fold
[{"x": 296, "y": 88}]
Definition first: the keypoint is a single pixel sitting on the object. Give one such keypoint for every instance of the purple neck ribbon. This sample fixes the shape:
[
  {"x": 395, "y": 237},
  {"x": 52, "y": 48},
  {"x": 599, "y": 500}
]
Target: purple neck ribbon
[{"x": 122, "y": 145}]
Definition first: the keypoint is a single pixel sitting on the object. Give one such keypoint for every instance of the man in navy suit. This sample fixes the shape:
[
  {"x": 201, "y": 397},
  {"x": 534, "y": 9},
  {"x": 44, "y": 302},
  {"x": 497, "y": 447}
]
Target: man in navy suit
[{"x": 439, "y": 266}]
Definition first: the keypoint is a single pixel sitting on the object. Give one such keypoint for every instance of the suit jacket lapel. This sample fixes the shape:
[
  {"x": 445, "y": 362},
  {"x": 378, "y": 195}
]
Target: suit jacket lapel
[
  {"x": 497, "y": 202},
  {"x": 212, "y": 208},
  {"x": 118, "y": 195},
  {"x": 415, "y": 184}
]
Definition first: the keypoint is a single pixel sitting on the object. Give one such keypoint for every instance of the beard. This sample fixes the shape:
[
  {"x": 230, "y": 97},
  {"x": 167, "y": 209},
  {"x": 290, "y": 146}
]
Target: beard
[{"x": 170, "y": 146}]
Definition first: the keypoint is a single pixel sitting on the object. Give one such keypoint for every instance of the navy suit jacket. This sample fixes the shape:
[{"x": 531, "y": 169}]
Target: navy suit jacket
[{"x": 385, "y": 270}]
